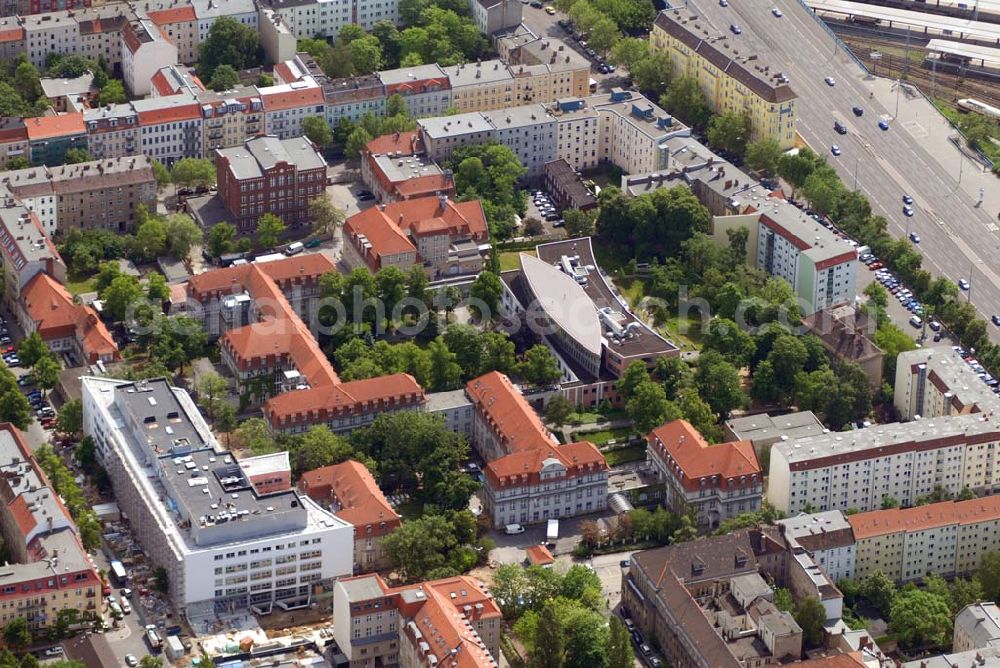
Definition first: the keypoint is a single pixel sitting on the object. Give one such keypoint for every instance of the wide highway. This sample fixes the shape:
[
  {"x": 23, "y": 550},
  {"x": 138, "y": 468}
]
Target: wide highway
[{"x": 958, "y": 239}]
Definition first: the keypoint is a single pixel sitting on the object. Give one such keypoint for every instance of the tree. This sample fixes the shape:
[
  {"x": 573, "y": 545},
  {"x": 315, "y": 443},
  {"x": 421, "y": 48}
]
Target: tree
[
  {"x": 783, "y": 599},
  {"x": 182, "y": 234},
  {"x": 629, "y": 51},
  {"x": 763, "y": 155},
  {"x": 224, "y": 78},
  {"x": 558, "y": 410},
  {"x": 70, "y": 418},
  {"x": 366, "y": 54},
  {"x": 112, "y": 93},
  {"x": 685, "y": 99},
  {"x": 231, "y": 43},
  {"x": 811, "y": 618},
  {"x": 485, "y": 292},
  {"x": 220, "y": 239},
  {"x": 652, "y": 74},
  {"x": 356, "y": 143},
  {"x": 648, "y": 407},
  {"x": 31, "y": 349},
  {"x": 921, "y": 618},
  {"x": 77, "y": 155},
  {"x": 151, "y": 662},
  {"x": 429, "y": 546},
  {"x": 445, "y": 371},
  {"x": 14, "y": 406},
  {"x": 319, "y": 447},
  {"x": 11, "y": 104},
  {"x": 150, "y": 240},
  {"x": 193, "y": 172},
  {"x": 211, "y": 388},
  {"x": 121, "y": 297},
  {"x": 823, "y": 189},
  {"x": 878, "y": 590},
  {"x": 17, "y": 633},
  {"x": 317, "y": 130},
  {"x": 539, "y": 366},
  {"x": 729, "y": 131},
  {"x": 549, "y": 651},
  {"x": 256, "y": 436},
  {"x": 26, "y": 81},
  {"x": 726, "y": 337},
  {"x": 579, "y": 223},
  {"x": 988, "y": 575},
  {"x": 46, "y": 372},
  {"x": 635, "y": 374},
  {"x": 619, "y": 645},
  {"x": 327, "y": 218},
  {"x": 269, "y": 230},
  {"x": 718, "y": 383},
  {"x": 157, "y": 290}
]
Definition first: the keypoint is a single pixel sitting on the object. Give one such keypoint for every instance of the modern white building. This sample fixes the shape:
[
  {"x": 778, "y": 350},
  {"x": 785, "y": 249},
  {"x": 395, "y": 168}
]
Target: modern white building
[
  {"x": 827, "y": 537},
  {"x": 232, "y": 535},
  {"x": 935, "y": 382},
  {"x": 860, "y": 468}
]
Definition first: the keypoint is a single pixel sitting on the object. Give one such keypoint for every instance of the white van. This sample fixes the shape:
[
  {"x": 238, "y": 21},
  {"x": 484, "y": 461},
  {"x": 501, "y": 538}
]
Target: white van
[
  {"x": 514, "y": 529},
  {"x": 916, "y": 321},
  {"x": 294, "y": 248}
]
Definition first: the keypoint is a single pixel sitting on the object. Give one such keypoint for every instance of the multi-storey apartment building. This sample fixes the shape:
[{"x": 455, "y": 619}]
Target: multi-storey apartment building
[
  {"x": 946, "y": 538},
  {"x": 529, "y": 477},
  {"x": 286, "y": 105},
  {"x": 67, "y": 328},
  {"x": 112, "y": 131},
  {"x": 493, "y": 16},
  {"x": 25, "y": 250},
  {"x": 145, "y": 49},
  {"x": 441, "y": 135},
  {"x": 443, "y": 235},
  {"x": 178, "y": 22},
  {"x": 425, "y": 88},
  {"x": 101, "y": 31},
  {"x": 49, "y": 571},
  {"x": 308, "y": 18},
  {"x": 170, "y": 127},
  {"x": 12, "y": 39},
  {"x": 42, "y": 6},
  {"x": 453, "y": 621},
  {"x": 349, "y": 490},
  {"x": 396, "y": 167},
  {"x": 174, "y": 79},
  {"x": 545, "y": 69},
  {"x": 977, "y": 626},
  {"x": 49, "y": 137},
  {"x": 936, "y": 382},
  {"x": 98, "y": 194},
  {"x": 229, "y": 118},
  {"x": 715, "y": 482},
  {"x": 829, "y": 539},
  {"x": 731, "y": 78},
  {"x": 481, "y": 86},
  {"x": 55, "y": 32},
  {"x": 270, "y": 175},
  {"x": 529, "y": 131},
  {"x": 13, "y": 139},
  {"x": 230, "y": 534},
  {"x": 903, "y": 461},
  {"x": 208, "y": 11}
]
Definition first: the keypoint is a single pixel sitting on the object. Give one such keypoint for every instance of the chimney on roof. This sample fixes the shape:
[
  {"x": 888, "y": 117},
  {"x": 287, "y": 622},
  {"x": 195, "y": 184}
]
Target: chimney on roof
[{"x": 443, "y": 201}]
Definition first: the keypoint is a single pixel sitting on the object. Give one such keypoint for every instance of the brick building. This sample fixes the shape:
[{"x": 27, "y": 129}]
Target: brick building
[{"x": 270, "y": 175}]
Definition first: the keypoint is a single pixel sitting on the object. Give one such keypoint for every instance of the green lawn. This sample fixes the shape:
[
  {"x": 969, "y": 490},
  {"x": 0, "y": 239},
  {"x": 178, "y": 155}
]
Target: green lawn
[
  {"x": 593, "y": 417},
  {"x": 602, "y": 436},
  {"x": 510, "y": 260},
  {"x": 690, "y": 338},
  {"x": 80, "y": 286},
  {"x": 632, "y": 453}
]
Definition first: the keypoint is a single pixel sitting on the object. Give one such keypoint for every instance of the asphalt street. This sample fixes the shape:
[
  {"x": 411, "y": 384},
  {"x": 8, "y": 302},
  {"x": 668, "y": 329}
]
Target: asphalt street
[{"x": 958, "y": 239}]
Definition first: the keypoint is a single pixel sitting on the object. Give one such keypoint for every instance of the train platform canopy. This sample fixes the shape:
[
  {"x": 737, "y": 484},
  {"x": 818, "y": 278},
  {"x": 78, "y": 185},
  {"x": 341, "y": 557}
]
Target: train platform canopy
[
  {"x": 919, "y": 22},
  {"x": 986, "y": 56}
]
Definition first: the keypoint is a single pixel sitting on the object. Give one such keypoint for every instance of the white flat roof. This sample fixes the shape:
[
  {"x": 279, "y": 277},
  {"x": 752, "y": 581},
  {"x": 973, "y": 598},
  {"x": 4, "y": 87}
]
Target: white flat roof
[
  {"x": 564, "y": 301},
  {"x": 979, "y": 29}
]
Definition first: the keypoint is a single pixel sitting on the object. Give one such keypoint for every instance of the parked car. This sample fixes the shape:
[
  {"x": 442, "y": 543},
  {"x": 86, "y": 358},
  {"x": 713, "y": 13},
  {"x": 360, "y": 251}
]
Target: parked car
[
  {"x": 736, "y": 29},
  {"x": 830, "y": 81},
  {"x": 776, "y": 12},
  {"x": 858, "y": 111},
  {"x": 914, "y": 237},
  {"x": 835, "y": 149},
  {"x": 883, "y": 124},
  {"x": 907, "y": 199},
  {"x": 963, "y": 284}
]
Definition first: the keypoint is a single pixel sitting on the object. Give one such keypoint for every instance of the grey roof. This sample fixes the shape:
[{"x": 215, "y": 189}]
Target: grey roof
[
  {"x": 980, "y": 622},
  {"x": 565, "y": 302},
  {"x": 49, "y": 21},
  {"x": 767, "y": 429},
  {"x": 455, "y": 126},
  {"x": 952, "y": 371},
  {"x": 261, "y": 154},
  {"x": 205, "y": 9},
  {"x": 60, "y": 87},
  {"x": 362, "y": 588},
  {"x": 819, "y": 531},
  {"x": 407, "y": 74},
  {"x": 406, "y": 167},
  {"x": 443, "y": 401},
  {"x": 526, "y": 115},
  {"x": 471, "y": 74},
  {"x": 31, "y": 241},
  {"x": 988, "y": 657},
  {"x": 823, "y": 243}
]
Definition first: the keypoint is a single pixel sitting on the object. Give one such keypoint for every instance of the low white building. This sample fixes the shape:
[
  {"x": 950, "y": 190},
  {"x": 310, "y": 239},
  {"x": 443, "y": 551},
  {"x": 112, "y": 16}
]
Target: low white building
[{"x": 231, "y": 535}]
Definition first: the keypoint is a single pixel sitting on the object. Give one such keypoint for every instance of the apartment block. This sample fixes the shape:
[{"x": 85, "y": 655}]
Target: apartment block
[
  {"x": 43, "y": 6},
  {"x": 396, "y": 167},
  {"x": 56, "y": 32},
  {"x": 49, "y": 137},
  {"x": 530, "y": 132},
  {"x": 286, "y": 105},
  {"x": 350, "y": 491},
  {"x": 492, "y": 16},
  {"x": 425, "y": 88},
  {"x": 904, "y": 461},
  {"x": 170, "y": 127},
  {"x": 145, "y": 49},
  {"x": 732, "y": 79},
  {"x": 446, "y": 237},
  {"x": 232, "y": 535},
  {"x": 935, "y": 382},
  {"x": 977, "y": 626},
  {"x": 566, "y": 187},
  {"x": 441, "y": 135},
  {"x": 481, "y": 86},
  {"x": 546, "y": 69},
  {"x": 229, "y": 118},
  {"x": 69, "y": 329},
  {"x": 25, "y": 250},
  {"x": 98, "y": 194},
  {"x": 112, "y": 131},
  {"x": 828, "y": 537},
  {"x": 179, "y": 23},
  {"x": 13, "y": 139},
  {"x": 946, "y": 538},
  {"x": 308, "y": 18},
  {"x": 270, "y": 175},
  {"x": 715, "y": 482},
  {"x": 48, "y": 571},
  {"x": 529, "y": 477},
  {"x": 453, "y": 621}
]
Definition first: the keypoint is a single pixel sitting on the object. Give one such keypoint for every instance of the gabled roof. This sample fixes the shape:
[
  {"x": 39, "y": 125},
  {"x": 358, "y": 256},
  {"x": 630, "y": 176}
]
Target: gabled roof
[
  {"x": 172, "y": 15},
  {"x": 55, "y": 315},
  {"x": 361, "y": 501},
  {"x": 922, "y": 518},
  {"x": 406, "y": 143},
  {"x": 50, "y": 127},
  {"x": 678, "y": 444}
]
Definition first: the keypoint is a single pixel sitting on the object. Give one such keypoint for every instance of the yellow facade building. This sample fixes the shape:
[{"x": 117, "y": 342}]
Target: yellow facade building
[
  {"x": 731, "y": 81},
  {"x": 946, "y": 538}
]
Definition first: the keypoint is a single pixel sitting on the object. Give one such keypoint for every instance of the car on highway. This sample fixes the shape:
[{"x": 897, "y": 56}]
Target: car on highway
[
  {"x": 914, "y": 237},
  {"x": 996, "y": 320},
  {"x": 776, "y": 12},
  {"x": 858, "y": 111},
  {"x": 723, "y": 3},
  {"x": 835, "y": 149},
  {"x": 736, "y": 29},
  {"x": 908, "y": 211},
  {"x": 907, "y": 200},
  {"x": 883, "y": 124},
  {"x": 963, "y": 284},
  {"x": 830, "y": 81},
  {"x": 840, "y": 128},
  {"x": 536, "y": 4}
]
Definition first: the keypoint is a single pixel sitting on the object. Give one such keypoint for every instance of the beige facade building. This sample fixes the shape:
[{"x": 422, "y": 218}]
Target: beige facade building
[
  {"x": 732, "y": 79},
  {"x": 977, "y": 626},
  {"x": 481, "y": 86},
  {"x": 935, "y": 382},
  {"x": 946, "y": 538}
]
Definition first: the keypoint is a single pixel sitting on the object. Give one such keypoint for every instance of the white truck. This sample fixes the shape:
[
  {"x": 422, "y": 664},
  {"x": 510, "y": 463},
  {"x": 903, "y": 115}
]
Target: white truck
[{"x": 552, "y": 532}]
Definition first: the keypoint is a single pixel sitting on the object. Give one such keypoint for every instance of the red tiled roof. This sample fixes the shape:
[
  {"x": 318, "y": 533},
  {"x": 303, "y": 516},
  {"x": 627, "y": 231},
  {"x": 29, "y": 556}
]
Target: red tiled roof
[
  {"x": 921, "y": 518},
  {"x": 291, "y": 99},
  {"x": 56, "y": 316},
  {"x": 407, "y": 143},
  {"x": 426, "y": 216},
  {"x": 539, "y": 555},
  {"x": 283, "y": 72},
  {"x": 386, "y": 239},
  {"x": 170, "y": 114},
  {"x": 174, "y": 15},
  {"x": 22, "y": 515},
  {"x": 12, "y": 35},
  {"x": 508, "y": 412},
  {"x": 361, "y": 501},
  {"x": 678, "y": 443},
  {"x": 47, "y": 127},
  {"x": 424, "y": 186}
]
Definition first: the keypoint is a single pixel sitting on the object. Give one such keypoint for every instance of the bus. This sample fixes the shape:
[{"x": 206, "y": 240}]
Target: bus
[{"x": 118, "y": 574}]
